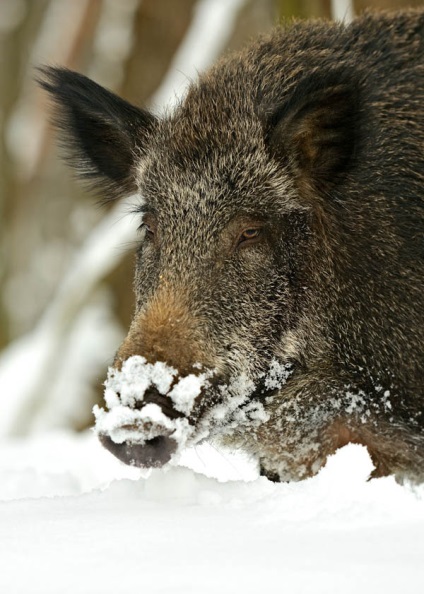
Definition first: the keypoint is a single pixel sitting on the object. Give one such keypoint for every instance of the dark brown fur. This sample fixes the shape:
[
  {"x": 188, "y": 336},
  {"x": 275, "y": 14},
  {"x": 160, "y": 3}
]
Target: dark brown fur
[{"x": 314, "y": 137}]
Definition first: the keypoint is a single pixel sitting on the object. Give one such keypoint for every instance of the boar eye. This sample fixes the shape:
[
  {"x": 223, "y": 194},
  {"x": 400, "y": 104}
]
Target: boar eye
[
  {"x": 147, "y": 230},
  {"x": 251, "y": 235}
]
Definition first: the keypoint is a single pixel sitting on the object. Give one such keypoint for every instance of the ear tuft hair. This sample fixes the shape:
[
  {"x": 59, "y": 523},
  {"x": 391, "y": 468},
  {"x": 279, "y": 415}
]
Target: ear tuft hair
[
  {"x": 315, "y": 131},
  {"x": 103, "y": 136}
]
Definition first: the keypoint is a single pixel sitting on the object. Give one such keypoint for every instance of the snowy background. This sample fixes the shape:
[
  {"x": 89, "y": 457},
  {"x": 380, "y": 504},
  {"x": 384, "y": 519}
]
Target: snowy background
[{"x": 72, "y": 518}]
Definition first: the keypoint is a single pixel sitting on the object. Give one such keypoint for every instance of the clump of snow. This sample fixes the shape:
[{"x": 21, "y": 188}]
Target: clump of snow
[
  {"x": 128, "y": 385},
  {"x": 186, "y": 391},
  {"x": 124, "y": 424},
  {"x": 277, "y": 375},
  {"x": 237, "y": 408}
]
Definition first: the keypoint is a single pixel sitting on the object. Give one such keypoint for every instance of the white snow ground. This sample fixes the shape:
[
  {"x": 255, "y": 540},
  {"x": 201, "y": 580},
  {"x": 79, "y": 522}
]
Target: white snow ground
[{"x": 74, "y": 520}]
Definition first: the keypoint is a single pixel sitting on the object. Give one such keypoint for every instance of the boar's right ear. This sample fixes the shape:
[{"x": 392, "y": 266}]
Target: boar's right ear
[
  {"x": 315, "y": 131},
  {"x": 103, "y": 135}
]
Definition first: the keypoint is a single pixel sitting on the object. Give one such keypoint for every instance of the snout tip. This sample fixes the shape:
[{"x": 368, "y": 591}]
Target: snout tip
[{"x": 154, "y": 453}]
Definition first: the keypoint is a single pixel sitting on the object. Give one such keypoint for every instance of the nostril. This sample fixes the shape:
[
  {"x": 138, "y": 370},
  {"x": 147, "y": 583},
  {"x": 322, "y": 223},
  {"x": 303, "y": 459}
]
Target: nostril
[
  {"x": 154, "y": 453},
  {"x": 153, "y": 396}
]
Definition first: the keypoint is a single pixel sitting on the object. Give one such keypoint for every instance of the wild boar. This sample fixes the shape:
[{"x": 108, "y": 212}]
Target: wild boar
[{"x": 281, "y": 255}]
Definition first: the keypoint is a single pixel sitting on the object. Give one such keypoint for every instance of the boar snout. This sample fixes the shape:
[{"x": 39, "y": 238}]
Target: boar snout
[
  {"x": 150, "y": 411},
  {"x": 154, "y": 453}
]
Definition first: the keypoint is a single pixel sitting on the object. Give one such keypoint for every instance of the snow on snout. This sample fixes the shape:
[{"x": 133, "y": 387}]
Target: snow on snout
[
  {"x": 186, "y": 391},
  {"x": 126, "y": 421}
]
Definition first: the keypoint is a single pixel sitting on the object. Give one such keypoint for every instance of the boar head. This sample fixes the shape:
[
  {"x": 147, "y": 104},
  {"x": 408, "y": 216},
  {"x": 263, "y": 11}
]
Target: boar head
[{"x": 231, "y": 228}]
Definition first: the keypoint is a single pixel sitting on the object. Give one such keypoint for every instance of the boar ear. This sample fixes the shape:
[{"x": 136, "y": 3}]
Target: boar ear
[
  {"x": 315, "y": 131},
  {"x": 104, "y": 137}
]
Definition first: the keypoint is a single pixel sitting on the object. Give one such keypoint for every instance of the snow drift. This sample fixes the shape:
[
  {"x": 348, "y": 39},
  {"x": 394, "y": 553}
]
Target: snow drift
[{"x": 73, "y": 519}]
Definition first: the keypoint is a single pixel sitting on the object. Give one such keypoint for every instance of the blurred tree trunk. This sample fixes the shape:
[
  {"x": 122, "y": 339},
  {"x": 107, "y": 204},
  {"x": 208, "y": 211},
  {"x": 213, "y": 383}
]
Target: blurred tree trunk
[
  {"x": 158, "y": 31},
  {"x": 39, "y": 198},
  {"x": 15, "y": 35}
]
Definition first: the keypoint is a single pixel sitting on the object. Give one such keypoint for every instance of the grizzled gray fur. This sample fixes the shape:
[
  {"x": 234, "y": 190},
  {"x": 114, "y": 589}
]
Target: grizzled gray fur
[{"x": 281, "y": 229}]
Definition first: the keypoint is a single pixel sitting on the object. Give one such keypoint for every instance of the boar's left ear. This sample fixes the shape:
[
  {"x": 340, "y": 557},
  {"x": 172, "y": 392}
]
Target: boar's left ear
[
  {"x": 315, "y": 131},
  {"x": 103, "y": 136}
]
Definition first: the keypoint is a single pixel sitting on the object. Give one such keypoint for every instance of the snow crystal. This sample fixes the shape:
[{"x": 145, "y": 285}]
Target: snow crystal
[
  {"x": 386, "y": 402},
  {"x": 357, "y": 402},
  {"x": 277, "y": 375}
]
